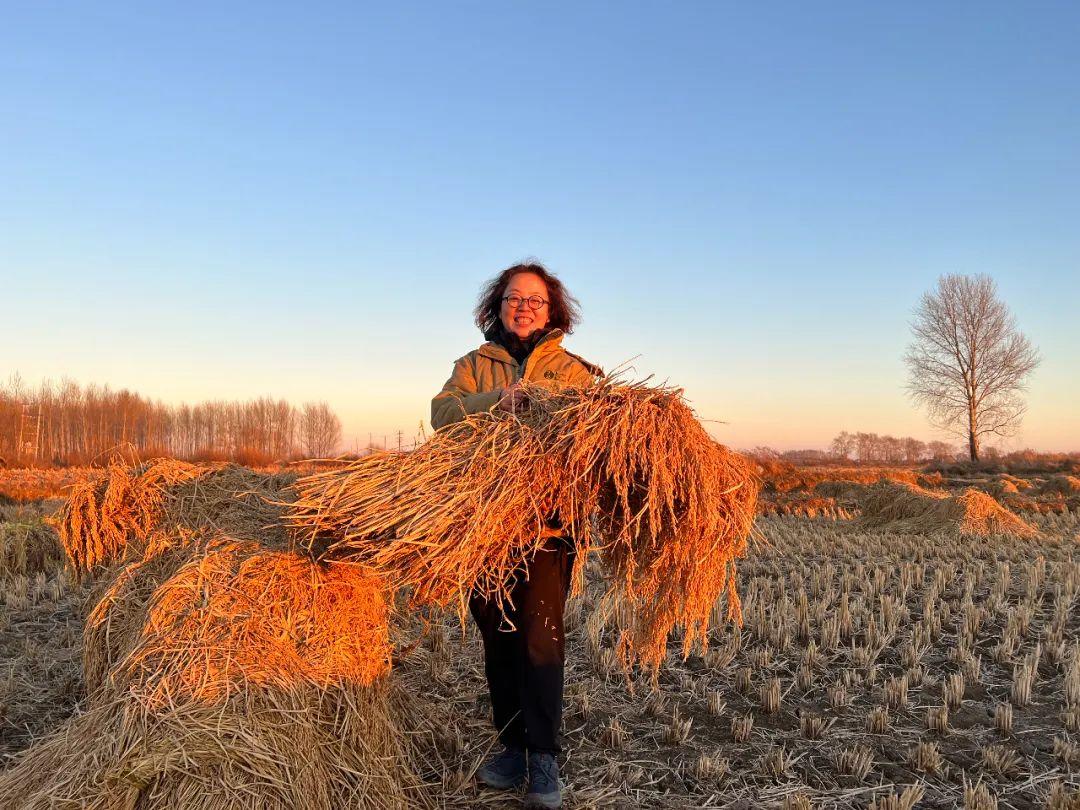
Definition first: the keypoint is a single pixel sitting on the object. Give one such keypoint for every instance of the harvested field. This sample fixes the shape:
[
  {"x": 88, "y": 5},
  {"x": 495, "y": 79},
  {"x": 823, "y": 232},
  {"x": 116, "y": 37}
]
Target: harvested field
[
  {"x": 783, "y": 477},
  {"x": 809, "y": 505},
  {"x": 30, "y": 485},
  {"x": 858, "y": 647},
  {"x": 871, "y": 662}
]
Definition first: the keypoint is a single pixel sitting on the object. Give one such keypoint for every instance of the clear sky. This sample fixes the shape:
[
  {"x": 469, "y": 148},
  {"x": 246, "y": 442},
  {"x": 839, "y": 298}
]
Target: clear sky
[{"x": 226, "y": 200}]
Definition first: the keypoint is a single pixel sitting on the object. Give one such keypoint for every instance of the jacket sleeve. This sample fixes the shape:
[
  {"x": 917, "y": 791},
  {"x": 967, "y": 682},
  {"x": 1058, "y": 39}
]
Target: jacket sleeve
[
  {"x": 583, "y": 373},
  {"x": 459, "y": 396},
  {"x": 581, "y": 376}
]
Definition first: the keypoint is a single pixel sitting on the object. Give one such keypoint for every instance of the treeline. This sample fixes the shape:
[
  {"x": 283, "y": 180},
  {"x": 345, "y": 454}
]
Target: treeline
[
  {"x": 872, "y": 448},
  {"x": 866, "y": 448},
  {"x": 66, "y": 424}
]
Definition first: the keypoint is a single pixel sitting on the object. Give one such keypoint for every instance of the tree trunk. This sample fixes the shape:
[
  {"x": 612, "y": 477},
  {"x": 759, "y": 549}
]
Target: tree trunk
[{"x": 973, "y": 436}]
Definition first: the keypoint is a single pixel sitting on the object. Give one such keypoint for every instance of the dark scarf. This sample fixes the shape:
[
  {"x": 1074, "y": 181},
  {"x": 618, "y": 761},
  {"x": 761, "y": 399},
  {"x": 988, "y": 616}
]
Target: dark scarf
[{"x": 518, "y": 348}]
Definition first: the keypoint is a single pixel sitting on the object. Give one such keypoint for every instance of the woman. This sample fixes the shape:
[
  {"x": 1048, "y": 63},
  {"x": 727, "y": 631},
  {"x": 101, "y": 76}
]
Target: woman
[{"x": 524, "y": 313}]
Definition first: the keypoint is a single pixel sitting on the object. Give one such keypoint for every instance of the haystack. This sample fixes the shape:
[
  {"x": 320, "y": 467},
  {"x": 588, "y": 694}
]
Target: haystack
[
  {"x": 222, "y": 670},
  {"x": 1060, "y": 485},
  {"x": 836, "y": 488},
  {"x": 27, "y": 547},
  {"x": 468, "y": 508},
  {"x": 111, "y": 519},
  {"x": 102, "y": 516},
  {"x": 1021, "y": 484},
  {"x": 999, "y": 487},
  {"x": 907, "y": 507},
  {"x": 251, "y": 678}
]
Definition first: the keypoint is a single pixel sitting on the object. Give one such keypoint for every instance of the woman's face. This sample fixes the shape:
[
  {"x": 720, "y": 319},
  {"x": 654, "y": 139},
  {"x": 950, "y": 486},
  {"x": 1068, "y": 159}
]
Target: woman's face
[{"x": 523, "y": 320}]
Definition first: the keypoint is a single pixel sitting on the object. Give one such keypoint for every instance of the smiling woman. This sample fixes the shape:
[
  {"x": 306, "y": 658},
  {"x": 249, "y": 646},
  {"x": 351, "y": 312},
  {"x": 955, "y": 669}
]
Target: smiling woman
[{"x": 524, "y": 313}]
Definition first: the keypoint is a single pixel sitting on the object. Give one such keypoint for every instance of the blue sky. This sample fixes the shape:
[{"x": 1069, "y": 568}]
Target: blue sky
[{"x": 231, "y": 200}]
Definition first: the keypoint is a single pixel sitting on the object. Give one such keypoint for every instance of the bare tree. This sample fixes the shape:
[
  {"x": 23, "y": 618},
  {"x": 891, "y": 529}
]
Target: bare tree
[
  {"x": 67, "y": 423},
  {"x": 968, "y": 362},
  {"x": 843, "y": 445},
  {"x": 940, "y": 451},
  {"x": 914, "y": 449},
  {"x": 320, "y": 430}
]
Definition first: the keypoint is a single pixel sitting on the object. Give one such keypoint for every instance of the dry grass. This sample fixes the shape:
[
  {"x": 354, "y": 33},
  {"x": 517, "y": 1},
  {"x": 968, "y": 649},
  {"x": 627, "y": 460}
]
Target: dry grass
[
  {"x": 30, "y": 485},
  {"x": 103, "y": 517},
  {"x": 221, "y": 672},
  {"x": 255, "y": 678},
  {"x": 839, "y": 615},
  {"x": 628, "y": 470},
  {"x": 299, "y": 748},
  {"x": 906, "y": 507},
  {"x": 1061, "y": 484},
  {"x": 113, "y": 519},
  {"x": 28, "y": 546},
  {"x": 240, "y": 616}
]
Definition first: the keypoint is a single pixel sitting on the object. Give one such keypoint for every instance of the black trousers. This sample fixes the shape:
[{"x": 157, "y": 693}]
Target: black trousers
[{"x": 524, "y": 662}]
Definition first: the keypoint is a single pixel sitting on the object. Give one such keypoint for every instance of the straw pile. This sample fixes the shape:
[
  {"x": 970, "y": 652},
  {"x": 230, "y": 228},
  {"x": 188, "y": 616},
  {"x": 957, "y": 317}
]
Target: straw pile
[
  {"x": 227, "y": 673},
  {"x": 112, "y": 519},
  {"x": 461, "y": 513},
  {"x": 242, "y": 615},
  {"x": 101, "y": 517},
  {"x": 907, "y": 507},
  {"x": 27, "y": 547},
  {"x": 999, "y": 487},
  {"x": 1019, "y": 483},
  {"x": 836, "y": 488},
  {"x": 1060, "y": 485}
]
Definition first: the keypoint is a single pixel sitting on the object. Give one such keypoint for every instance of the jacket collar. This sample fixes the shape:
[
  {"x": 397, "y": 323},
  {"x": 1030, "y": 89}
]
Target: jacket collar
[{"x": 547, "y": 343}]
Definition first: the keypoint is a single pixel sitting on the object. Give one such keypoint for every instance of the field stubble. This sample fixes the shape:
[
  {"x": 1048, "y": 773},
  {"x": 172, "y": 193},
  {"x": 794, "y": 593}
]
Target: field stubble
[
  {"x": 870, "y": 662},
  {"x": 874, "y": 668}
]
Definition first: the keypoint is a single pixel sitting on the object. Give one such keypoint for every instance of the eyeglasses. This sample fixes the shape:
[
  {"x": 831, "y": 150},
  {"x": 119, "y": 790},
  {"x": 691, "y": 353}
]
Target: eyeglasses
[{"x": 535, "y": 301}]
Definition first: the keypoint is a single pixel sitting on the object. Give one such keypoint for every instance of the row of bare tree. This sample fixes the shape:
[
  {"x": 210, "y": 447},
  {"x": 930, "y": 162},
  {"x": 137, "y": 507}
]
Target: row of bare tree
[
  {"x": 67, "y": 423},
  {"x": 866, "y": 448},
  {"x": 871, "y": 447}
]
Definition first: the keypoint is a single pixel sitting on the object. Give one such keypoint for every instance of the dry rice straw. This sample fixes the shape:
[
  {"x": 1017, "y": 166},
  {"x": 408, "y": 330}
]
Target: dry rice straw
[{"x": 625, "y": 469}]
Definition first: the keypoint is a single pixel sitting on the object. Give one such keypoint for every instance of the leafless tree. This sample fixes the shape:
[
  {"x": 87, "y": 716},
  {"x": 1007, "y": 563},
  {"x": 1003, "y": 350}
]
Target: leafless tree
[
  {"x": 320, "y": 430},
  {"x": 73, "y": 424},
  {"x": 968, "y": 362},
  {"x": 843, "y": 445},
  {"x": 940, "y": 451},
  {"x": 914, "y": 449}
]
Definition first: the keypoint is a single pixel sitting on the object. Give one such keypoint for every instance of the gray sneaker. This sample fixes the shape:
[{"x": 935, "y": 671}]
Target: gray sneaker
[
  {"x": 504, "y": 770},
  {"x": 544, "y": 790}
]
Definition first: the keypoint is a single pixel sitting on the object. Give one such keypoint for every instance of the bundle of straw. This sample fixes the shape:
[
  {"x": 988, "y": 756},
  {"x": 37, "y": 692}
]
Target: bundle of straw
[
  {"x": 254, "y": 679},
  {"x": 1060, "y": 485},
  {"x": 908, "y": 507},
  {"x": 102, "y": 516},
  {"x": 131, "y": 528},
  {"x": 468, "y": 508},
  {"x": 297, "y": 749},
  {"x": 242, "y": 615}
]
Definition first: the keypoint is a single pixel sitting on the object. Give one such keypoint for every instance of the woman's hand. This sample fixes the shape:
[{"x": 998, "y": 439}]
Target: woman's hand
[{"x": 513, "y": 398}]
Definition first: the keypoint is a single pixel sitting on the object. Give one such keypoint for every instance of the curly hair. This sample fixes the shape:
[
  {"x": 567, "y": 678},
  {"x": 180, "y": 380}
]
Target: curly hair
[{"x": 564, "y": 312}]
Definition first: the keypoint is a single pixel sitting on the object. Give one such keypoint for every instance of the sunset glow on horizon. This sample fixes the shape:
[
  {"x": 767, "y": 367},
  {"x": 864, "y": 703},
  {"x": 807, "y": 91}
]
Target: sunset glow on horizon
[{"x": 746, "y": 205}]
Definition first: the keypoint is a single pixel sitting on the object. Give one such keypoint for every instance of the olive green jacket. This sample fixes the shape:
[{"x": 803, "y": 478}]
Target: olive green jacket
[{"x": 479, "y": 377}]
